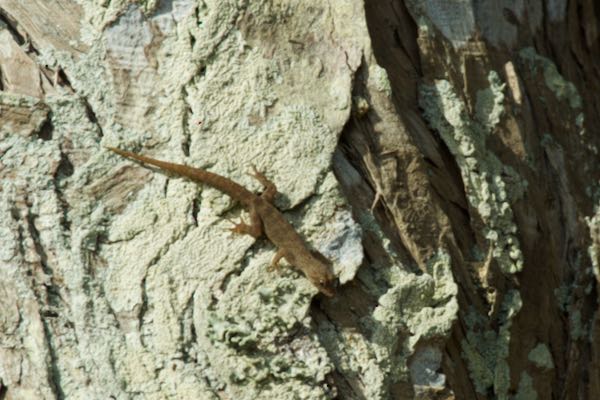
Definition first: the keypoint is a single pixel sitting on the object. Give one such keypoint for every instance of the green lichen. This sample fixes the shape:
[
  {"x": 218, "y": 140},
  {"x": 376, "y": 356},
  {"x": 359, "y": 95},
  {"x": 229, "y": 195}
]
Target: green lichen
[
  {"x": 149, "y": 6},
  {"x": 490, "y": 186},
  {"x": 413, "y": 308},
  {"x": 489, "y": 104},
  {"x": 562, "y": 295},
  {"x": 563, "y": 89},
  {"x": 379, "y": 78},
  {"x": 401, "y": 306},
  {"x": 578, "y": 329},
  {"x": 526, "y": 391},
  {"x": 423, "y": 305},
  {"x": 594, "y": 249},
  {"x": 486, "y": 350},
  {"x": 579, "y": 120},
  {"x": 257, "y": 349},
  {"x": 18, "y": 100},
  {"x": 541, "y": 357}
]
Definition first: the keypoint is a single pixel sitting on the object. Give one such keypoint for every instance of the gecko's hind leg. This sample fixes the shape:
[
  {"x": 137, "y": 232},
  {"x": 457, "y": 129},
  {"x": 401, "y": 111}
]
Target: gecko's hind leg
[
  {"x": 254, "y": 229},
  {"x": 270, "y": 188}
]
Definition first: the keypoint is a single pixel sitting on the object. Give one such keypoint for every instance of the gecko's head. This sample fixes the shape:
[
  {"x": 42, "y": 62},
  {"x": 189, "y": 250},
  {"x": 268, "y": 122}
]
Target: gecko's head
[{"x": 322, "y": 275}]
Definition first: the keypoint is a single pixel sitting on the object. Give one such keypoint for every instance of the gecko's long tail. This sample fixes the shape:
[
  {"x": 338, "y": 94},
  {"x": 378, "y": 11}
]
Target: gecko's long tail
[{"x": 225, "y": 185}]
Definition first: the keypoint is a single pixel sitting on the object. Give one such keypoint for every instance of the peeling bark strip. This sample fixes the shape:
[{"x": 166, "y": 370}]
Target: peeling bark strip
[{"x": 442, "y": 152}]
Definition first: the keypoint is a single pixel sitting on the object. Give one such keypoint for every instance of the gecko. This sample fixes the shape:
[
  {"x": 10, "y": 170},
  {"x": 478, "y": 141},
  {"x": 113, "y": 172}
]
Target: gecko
[{"x": 265, "y": 219}]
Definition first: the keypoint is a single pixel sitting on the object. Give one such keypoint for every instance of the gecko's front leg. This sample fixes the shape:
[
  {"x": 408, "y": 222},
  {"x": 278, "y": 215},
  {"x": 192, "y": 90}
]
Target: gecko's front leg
[
  {"x": 270, "y": 188},
  {"x": 254, "y": 229}
]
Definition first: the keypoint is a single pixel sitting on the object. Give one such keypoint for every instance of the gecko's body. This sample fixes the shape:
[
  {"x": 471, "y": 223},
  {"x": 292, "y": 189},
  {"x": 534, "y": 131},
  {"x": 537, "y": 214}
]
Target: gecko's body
[{"x": 265, "y": 218}]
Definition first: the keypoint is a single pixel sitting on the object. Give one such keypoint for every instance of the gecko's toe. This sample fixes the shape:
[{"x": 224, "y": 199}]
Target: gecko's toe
[
  {"x": 255, "y": 172},
  {"x": 238, "y": 227}
]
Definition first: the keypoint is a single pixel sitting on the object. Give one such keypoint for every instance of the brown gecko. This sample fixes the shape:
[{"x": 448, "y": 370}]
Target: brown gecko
[{"x": 265, "y": 218}]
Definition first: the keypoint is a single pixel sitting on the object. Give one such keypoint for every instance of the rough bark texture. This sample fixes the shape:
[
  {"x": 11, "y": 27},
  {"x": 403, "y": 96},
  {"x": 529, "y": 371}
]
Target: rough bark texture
[{"x": 443, "y": 154}]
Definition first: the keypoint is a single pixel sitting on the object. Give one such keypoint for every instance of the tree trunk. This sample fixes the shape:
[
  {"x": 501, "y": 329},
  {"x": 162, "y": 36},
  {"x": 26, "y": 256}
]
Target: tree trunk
[{"x": 442, "y": 154}]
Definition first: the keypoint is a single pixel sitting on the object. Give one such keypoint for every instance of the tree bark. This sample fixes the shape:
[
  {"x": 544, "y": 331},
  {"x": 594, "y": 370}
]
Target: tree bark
[{"x": 442, "y": 154}]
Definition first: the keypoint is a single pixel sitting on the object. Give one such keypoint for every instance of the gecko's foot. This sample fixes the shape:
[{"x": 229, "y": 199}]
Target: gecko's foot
[
  {"x": 274, "y": 266},
  {"x": 238, "y": 227},
  {"x": 259, "y": 176},
  {"x": 242, "y": 228}
]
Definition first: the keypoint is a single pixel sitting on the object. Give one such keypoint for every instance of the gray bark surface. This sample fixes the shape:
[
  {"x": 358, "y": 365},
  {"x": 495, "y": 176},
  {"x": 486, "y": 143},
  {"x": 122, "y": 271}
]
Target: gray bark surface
[{"x": 442, "y": 154}]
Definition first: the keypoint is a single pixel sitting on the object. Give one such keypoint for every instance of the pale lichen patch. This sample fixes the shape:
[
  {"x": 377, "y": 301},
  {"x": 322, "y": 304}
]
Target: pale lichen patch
[
  {"x": 487, "y": 350},
  {"x": 526, "y": 390},
  {"x": 380, "y": 80},
  {"x": 415, "y": 309},
  {"x": 541, "y": 357},
  {"x": 562, "y": 88},
  {"x": 594, "y": 249},
  {"x": 490, "y": 186}
]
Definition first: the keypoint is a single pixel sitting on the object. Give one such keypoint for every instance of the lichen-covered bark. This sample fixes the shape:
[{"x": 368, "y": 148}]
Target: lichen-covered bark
[
  {"x": 443, "y": 154},
  {"x": 510, "y": 156}
]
